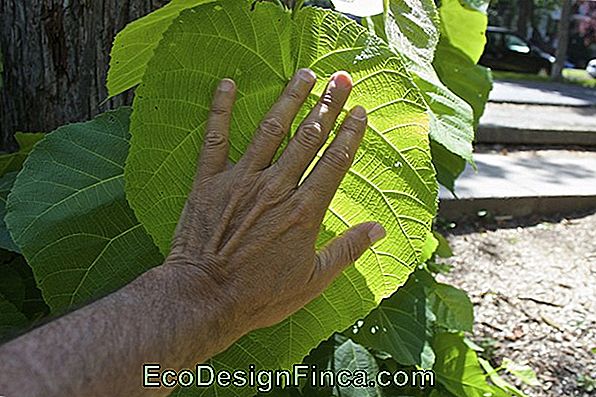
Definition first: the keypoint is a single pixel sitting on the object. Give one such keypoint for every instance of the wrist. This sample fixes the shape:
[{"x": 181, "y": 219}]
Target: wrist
[{"x": 203, "y": 308}]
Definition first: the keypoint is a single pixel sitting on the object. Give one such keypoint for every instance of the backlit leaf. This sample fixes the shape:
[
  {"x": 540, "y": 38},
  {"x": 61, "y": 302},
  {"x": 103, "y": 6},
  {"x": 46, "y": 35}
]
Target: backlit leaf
[
  {"x": 134, "y": 45},
  {"x": 464, "y": 28},
  {"x": 392, "y": 178}
]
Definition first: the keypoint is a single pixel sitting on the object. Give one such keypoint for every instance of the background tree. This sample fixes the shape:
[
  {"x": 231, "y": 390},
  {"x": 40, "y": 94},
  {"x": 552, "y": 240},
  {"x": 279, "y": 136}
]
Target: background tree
[
  {"x": 562, "y": 40},
  {"x": 55, "y": 60}
]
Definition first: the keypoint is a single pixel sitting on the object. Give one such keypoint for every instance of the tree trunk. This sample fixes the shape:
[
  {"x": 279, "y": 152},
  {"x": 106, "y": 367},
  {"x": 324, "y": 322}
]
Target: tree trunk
[
  {"x": 525, "y": 16},
  {"x": 55, "y": 60},
  {"x": 562, "y": 40}
]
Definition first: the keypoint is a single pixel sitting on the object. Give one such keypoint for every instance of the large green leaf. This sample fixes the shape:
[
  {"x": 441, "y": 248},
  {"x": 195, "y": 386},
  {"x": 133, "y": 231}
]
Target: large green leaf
[
  {"x": 467, "y": 80},
  {"x": 411, "y": 29},
  {"x": 6, "y": 182},
  {"x": 464, "y": 27},
  {"x": 457, "y": 368},
  {"x": 451, "y": 118},
  {"x": 68, "y": 214},
  {"x": 401, "y": 325},
  {"x": 452, "y": 307},
  {"x": 10, "y": 164},
  {"x": 134, "y": 45},
  {"x": 341, "y": 353},
  {"x": 392, "y": 179}
]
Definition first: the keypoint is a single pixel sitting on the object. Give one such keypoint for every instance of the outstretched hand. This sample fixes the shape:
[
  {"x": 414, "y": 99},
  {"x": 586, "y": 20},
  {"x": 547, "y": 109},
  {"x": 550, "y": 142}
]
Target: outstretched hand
[
  {"x": 248, "y": 231},
  {"x": 243, "y": 257}
]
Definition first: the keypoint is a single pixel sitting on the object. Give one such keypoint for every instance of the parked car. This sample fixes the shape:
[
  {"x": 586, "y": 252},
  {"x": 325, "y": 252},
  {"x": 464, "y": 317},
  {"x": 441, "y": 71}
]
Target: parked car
[
  {"x": 591, "y": 69},
  {"x": 505, "y": 50}
]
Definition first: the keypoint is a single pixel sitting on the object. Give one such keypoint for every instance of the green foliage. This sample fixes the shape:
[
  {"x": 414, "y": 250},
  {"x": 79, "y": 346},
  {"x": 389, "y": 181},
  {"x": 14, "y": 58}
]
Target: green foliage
[
  {"x": 443, "y": 248},
  {"x": 68, "y": 214},
  {"x": 341, "y": 353},
  {"x": 464, "y": 77},
  {"x": 458, "y": 369},
  {"x": 11, "y": 162},
  {"x": 522, "y": 372},
  {"x": 20, "y": 301},
  {"x": 75, "y": 221},
  {"x": 452, "y": 308},
  {"x": 6, "y": 183},
  {"x": 402, "y": 325},
  {"x": 173, "y": 99},
  {"x": 464, "y": 28},
  {"x": 134, "y": 45},
  {"x": 11, "y": 319},
  {"x": 412, "y": 30}
]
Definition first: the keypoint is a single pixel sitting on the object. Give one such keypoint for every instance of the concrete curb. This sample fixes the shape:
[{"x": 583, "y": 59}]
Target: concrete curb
[
  {"x": 514, "y": 207},
  {"x": 518, "y": 136}
]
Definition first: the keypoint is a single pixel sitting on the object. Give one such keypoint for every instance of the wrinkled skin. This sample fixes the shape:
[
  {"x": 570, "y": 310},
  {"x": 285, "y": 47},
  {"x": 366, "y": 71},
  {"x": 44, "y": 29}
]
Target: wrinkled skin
[
  {"x": 250, "y": 229},
  {"x": 243, "y": 258}
]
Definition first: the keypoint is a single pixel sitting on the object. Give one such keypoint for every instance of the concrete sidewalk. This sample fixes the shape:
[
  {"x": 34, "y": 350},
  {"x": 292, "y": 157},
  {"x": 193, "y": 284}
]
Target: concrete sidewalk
[
  {"x": 542, "y": 93},
  {"x": 530, "y": 124},
  {"x": 523, "y": 183}
]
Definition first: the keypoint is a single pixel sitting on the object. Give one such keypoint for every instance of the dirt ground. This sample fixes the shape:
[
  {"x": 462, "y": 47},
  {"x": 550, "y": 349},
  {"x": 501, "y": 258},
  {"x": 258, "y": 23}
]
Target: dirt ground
[{"x": 534, "y": 291}]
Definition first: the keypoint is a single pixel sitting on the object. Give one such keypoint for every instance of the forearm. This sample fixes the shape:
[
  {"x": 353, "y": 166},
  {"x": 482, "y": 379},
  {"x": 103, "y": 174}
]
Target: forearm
[{"x": 101, "y": 348}]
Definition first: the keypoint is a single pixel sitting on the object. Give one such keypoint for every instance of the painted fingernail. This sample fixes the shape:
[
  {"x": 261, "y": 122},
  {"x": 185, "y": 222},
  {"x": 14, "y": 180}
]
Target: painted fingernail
[
  {"x": 359, "y": 113},
  {"x": 307, "y": 75},
  {"x": 226, "y": 85},
  {"x": 376, "y": 233},
  {"x": 341, "y": 80}
]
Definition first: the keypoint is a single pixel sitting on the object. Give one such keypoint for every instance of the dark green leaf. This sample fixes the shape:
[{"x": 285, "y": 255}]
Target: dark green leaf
[
  {"x": 401, "y": 325},
  {"x": 443, "y": 250},
  {"x": 457, "y": 368},
  {"x": 68, "y": 214},
  {"x": 452, "y": 307}
]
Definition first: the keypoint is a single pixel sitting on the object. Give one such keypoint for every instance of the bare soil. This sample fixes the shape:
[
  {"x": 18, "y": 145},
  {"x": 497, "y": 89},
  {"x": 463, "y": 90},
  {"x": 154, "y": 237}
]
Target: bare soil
[{"x": 533, "y": 285}]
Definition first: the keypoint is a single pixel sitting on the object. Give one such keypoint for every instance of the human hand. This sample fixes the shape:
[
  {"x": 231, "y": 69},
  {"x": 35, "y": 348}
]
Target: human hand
[{"x": 246, "y": 238}]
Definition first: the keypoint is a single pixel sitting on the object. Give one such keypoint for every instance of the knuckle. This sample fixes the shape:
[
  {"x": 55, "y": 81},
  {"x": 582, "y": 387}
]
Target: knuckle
[
  {"x": 272, "y": 126},
  {"x": 294, "y": 94},
  {"x": 330, "y": 101},
  {"x": 219, "y": 110},
  {"x": 337, "y": 158},
  {"x": 310, "y": 134},
  {"x": 353, "y": 129},
  {"x": 301, "y": 213},
  {"x": 350, "y": 251},
  {"x": 214, "y": 139}
]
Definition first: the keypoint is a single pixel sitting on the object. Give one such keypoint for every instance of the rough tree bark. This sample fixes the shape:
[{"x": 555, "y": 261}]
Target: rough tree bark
[{"x": 56, "y": 55}]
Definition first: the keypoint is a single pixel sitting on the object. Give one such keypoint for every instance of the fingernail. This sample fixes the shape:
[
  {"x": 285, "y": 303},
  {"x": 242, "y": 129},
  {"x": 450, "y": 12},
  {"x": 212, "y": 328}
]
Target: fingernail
[
  {"x": 359, "y": 113},
  {"x": 307, "y": 75},
  {"x": 376, "y": 233},
  {"x": 226, "y": 85},
  {"x": 341, "y": 80}
]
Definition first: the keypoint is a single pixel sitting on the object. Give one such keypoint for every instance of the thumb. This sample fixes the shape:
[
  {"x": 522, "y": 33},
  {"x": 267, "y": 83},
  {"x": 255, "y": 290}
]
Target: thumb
[{"x": 345, "y": 250}]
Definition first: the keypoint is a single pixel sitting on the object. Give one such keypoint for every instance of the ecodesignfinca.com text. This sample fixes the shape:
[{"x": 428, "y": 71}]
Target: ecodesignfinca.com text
[{"x": 204, "y": 375}]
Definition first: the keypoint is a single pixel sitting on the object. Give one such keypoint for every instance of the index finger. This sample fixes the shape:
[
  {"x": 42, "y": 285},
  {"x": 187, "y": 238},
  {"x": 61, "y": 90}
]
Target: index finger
[{"x": 323, "y": 181}]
